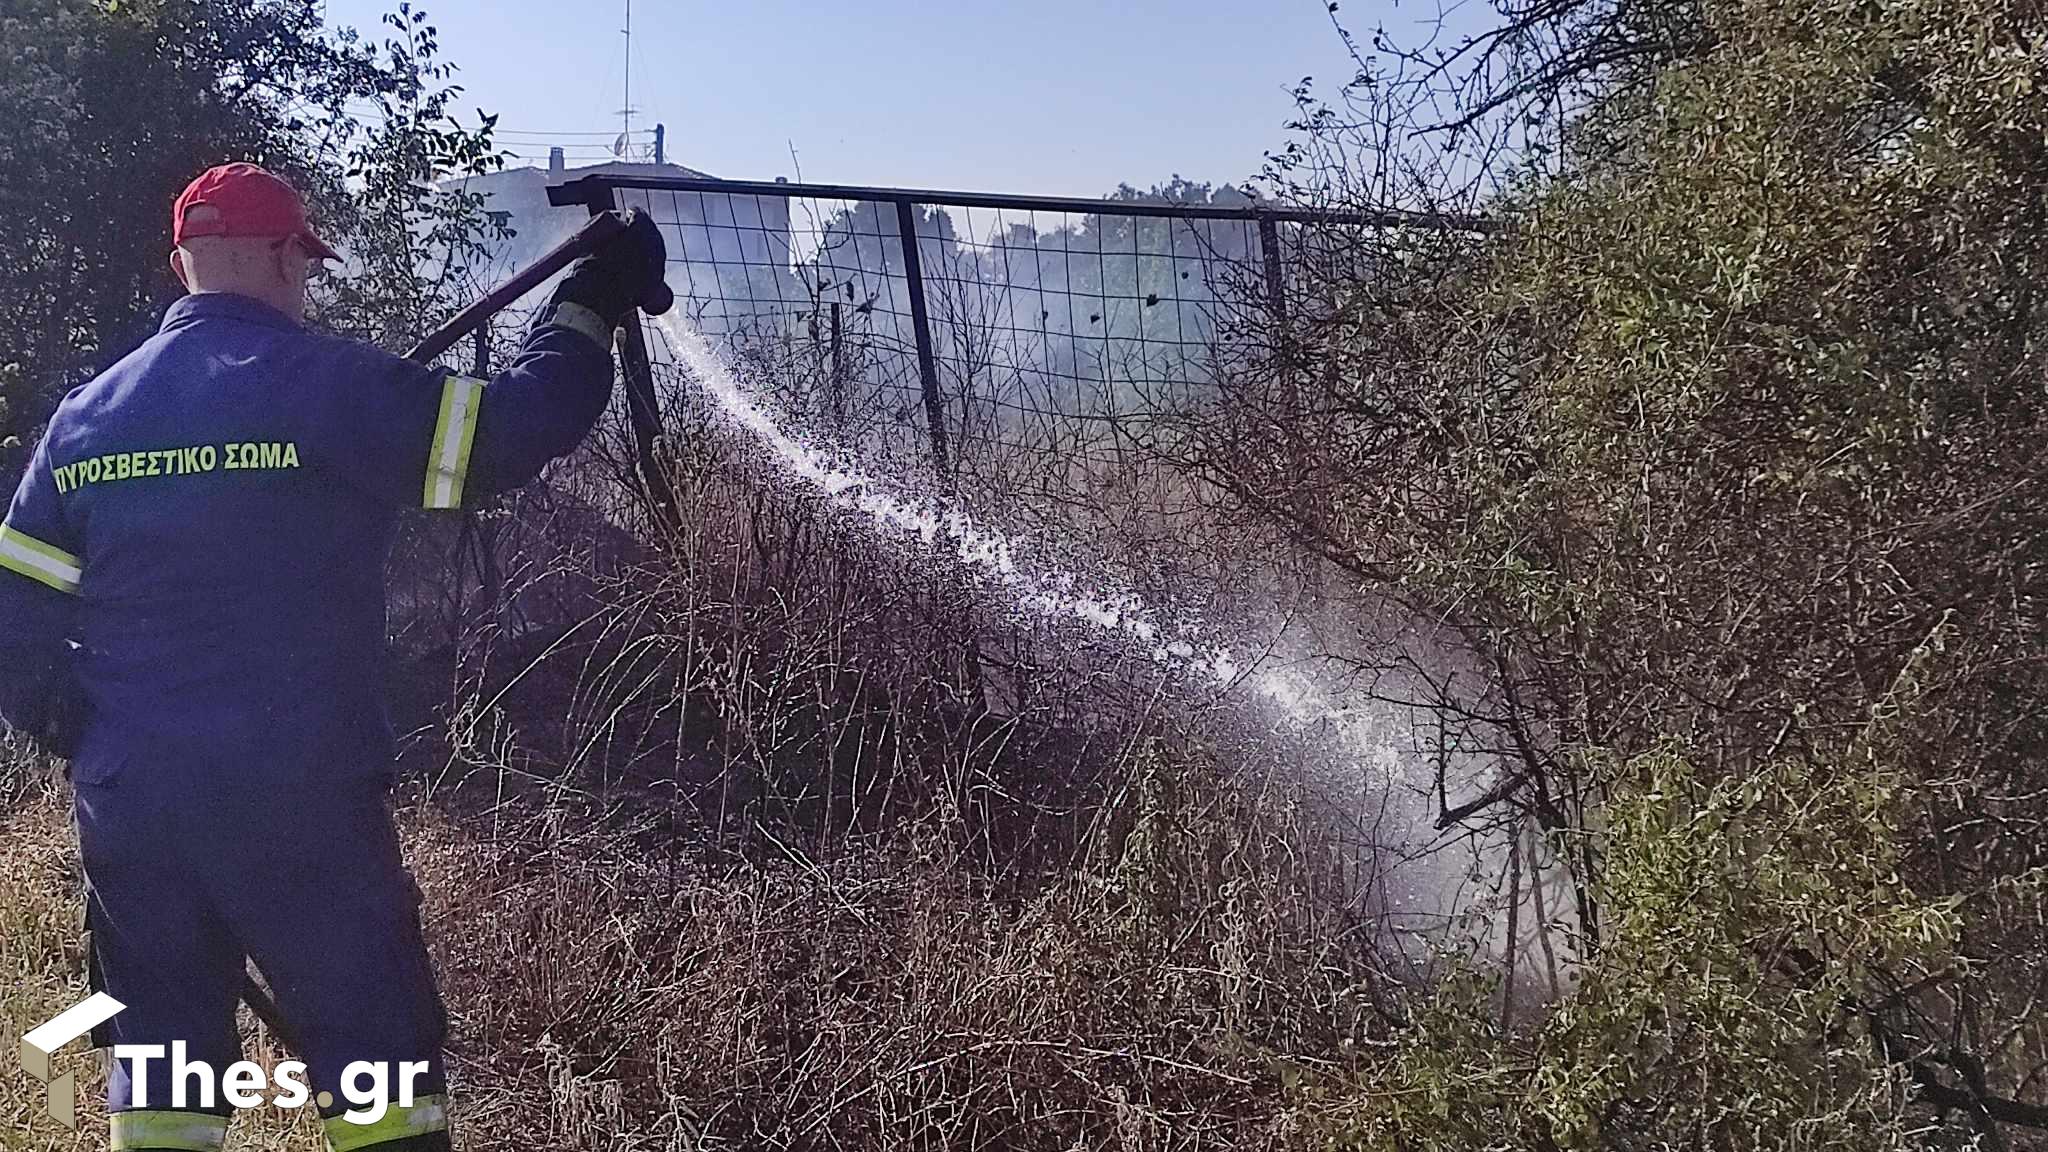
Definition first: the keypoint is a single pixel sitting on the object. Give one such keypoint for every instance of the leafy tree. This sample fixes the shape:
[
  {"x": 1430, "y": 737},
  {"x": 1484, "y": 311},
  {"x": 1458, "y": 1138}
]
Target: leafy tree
[
  {"x": 1739, "y": 1001},
  {"x": 421, "y": 250},
  {"x": 118, "y": 106},
  {"x": 1728, "y": 450},
  {"x": 112, "y": 107}
]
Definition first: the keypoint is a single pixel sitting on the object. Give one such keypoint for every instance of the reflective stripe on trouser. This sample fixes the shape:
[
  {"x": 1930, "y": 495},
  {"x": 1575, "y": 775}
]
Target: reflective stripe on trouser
[
  {"x": 43, "y": 563},
  {"x": 427, "y": 1114},
  {"x": 454, "y": 432},
  {"x": 185, "y": 1131}
]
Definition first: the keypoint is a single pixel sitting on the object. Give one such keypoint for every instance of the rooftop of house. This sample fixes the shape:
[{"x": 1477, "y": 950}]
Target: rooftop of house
[{"x": 528, "y": 177}]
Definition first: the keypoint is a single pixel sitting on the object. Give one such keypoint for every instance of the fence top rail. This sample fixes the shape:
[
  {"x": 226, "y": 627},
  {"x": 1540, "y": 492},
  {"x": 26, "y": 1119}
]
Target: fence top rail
[{"x": 595, "y": 191}]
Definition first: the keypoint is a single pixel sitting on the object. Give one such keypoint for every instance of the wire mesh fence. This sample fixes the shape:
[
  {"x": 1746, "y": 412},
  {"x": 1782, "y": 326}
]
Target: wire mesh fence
[
  {"x": 1025, "y": 360},
  {"x": 1013, "y": 336}
]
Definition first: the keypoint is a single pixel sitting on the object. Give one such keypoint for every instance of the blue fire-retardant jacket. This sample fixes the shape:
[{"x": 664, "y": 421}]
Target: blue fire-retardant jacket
[{"x": 193, "y": 565}]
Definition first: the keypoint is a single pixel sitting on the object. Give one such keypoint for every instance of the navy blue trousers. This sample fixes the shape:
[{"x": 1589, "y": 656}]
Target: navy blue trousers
[{"x": 306, "y": 880}]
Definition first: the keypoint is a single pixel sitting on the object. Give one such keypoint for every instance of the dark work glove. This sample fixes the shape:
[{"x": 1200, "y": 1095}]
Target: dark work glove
[
  {"x": 66, "y": 721},
  {"x": 623, "y": 274},
  {"x": 42, "y": 700}
]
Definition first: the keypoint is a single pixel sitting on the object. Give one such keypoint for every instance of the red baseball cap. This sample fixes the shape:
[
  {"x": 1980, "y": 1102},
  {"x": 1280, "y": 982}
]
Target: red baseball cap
[{"x": 246, "y": 201}]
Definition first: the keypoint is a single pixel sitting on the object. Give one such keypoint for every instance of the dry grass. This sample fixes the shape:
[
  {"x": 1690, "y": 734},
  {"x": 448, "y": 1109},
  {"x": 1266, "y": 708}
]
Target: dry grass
[
  {"x": 42, "y": 962},
  {"x": 1176, "y": 991}
]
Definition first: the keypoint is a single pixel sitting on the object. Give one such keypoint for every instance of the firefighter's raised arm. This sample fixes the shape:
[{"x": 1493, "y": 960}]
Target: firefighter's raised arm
[{"x": 414, "y": 436}]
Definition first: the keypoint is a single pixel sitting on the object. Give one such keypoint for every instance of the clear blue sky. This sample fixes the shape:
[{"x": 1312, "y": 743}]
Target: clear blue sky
[{"x": 1059, "y": 97}]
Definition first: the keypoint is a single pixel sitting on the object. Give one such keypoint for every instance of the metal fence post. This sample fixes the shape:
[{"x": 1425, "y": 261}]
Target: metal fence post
[
  {"x": 1276, "y": 285},
  {"x": 643, "y": 410},
  {"x": 920, "y": 322},
  {"x": 838, "y": 375},
  {"x": 482, "y": 531}
]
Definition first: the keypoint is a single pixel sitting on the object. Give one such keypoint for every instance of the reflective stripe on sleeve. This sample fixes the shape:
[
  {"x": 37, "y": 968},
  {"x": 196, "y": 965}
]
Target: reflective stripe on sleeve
[
  {"x": 426, "y": 1115},
  {"x": 448, "y": 461},
  {"x": 185, "y": 1131},
  {"x": 20, "y": 552},
  {"x": 577, "y": 318}
]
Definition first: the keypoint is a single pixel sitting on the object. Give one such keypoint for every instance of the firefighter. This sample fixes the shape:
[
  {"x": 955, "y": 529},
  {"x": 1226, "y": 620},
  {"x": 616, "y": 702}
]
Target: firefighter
[{"x": 192, "y": 608}]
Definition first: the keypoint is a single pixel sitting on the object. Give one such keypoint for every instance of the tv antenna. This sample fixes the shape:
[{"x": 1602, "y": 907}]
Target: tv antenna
[{"x": 626, "y": 113}]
